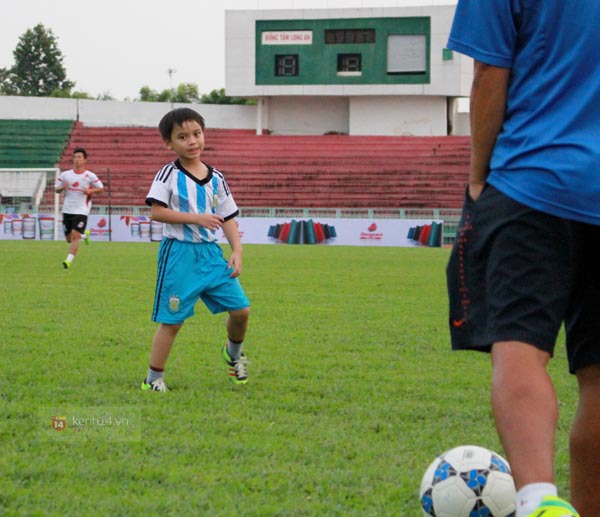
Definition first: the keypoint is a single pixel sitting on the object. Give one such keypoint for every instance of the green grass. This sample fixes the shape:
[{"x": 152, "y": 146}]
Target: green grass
[{"x": 353, "y": 390}]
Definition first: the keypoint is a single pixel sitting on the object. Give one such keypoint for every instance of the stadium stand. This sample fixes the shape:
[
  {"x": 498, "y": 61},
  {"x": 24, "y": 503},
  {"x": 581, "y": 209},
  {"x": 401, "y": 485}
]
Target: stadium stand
[
  {"x": 337, "y": 171},
  {"x": 32, "y": 143}
]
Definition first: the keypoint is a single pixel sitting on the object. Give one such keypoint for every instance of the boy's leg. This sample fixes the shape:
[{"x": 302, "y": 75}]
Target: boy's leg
[
  {"x": 585, "y": 437},
  {"x": 68, "y": 230},
  {"x": 74, "y": 240},
  {"x": 237, "y": 323},
  {"x": 161, "y": 345},
  {"x": 76, "y": 227}
]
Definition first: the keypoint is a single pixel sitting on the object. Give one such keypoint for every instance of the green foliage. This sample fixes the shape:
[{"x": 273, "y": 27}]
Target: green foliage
[
  {"x": 188, "y": 93},
  {"x": 352, "y": 393},
  {"x": 7, "y": 80},
  {"x": 38, "y": 70},
  {"x": 184, "y": 93},
  {"x": 219, "y": 97},
  {"x": 105, "y": 96},
  {"x": 64, "y": 94}
]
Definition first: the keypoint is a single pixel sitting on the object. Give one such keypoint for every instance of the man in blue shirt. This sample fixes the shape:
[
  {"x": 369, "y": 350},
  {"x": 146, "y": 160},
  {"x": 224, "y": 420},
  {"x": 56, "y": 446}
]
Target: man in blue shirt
[{"x": 527, "y": 254}]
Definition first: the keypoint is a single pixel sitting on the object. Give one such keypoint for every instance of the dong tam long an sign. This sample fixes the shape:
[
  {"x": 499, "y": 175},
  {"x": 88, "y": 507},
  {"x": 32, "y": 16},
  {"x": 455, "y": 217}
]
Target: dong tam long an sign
[{"x": 287, "y": 38}]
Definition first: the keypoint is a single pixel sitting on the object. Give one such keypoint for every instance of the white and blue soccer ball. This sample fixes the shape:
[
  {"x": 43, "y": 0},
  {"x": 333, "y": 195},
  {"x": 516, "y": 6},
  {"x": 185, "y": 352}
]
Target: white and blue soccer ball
[{"x": 468, "y": 481}]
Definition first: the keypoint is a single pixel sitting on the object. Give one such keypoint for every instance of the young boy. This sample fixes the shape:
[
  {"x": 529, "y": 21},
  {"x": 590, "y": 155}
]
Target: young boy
[
  {"x": 79, "y": 185},
  {"x": 193, "y": 201}
]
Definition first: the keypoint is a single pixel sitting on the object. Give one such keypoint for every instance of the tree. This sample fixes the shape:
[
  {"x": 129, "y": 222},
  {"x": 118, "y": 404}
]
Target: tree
[
  {"x": 185, "y": 93},
  {"x": 147, "y": 94},
  {"x": 38, "y": 70},
  {"x": 219, "y": 97}
]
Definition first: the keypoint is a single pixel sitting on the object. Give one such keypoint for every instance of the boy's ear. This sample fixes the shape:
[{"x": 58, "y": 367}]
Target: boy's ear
[{"x": 168, "y": 144}]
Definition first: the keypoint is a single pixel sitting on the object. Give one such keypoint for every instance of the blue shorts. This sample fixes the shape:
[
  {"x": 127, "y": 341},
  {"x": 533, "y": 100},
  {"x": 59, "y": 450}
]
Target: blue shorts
[{"x": 189, "y": 271}]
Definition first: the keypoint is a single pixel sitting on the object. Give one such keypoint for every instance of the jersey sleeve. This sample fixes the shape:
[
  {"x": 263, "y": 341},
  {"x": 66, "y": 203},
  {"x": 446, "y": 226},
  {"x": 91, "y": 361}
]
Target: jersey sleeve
[
  {"x": 60, "y": 181},
  {"x": 160, "y": 190},
  {"x": 486, "y": 30},
  {"x": 95, "y": 181},
  {"x": 226, "y": 205}
]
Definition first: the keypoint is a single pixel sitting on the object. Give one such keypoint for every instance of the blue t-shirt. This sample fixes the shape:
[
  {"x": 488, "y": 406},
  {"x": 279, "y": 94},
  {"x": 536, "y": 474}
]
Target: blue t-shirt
[{"x": 547, "y": 155}]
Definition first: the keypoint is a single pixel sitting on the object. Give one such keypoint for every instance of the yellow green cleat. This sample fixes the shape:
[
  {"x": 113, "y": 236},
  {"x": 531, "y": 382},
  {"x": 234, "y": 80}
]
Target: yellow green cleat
[
  {"x": 238, "y": 373},
  {"x": 554, "y": 507}
]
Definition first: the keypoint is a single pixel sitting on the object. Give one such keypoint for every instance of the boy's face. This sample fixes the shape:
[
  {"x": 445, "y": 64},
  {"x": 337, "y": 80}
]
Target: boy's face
[
  {"x": 79, "y": 161},
  {"x": 187, "y": 140}
]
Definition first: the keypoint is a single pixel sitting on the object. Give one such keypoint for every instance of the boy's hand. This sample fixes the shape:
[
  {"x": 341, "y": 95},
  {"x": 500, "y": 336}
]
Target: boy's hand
[
  {"x": 235, "y": 263},
  {"x": 210, "y": 221}
]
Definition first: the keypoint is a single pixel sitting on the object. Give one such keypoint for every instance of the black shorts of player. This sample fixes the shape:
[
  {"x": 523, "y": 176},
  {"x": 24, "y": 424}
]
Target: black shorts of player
[
  {"x": 517, "y": 274},
  {"x": 74, "y": 222}
]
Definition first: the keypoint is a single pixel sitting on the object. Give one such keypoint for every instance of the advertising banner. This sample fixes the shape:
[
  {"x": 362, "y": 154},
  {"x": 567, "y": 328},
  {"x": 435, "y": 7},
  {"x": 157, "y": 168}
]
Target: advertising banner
[{"x": 252, "y": 230}]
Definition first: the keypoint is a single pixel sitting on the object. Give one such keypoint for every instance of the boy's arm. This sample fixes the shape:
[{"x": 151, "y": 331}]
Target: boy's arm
[
  {"x": 90, "y": 191},
  {"x": 167, "y": 215},
  {"x": 60, "y": 185},
  {"x": 230, "y": 230},
  {"x": 95, "y": 187}
]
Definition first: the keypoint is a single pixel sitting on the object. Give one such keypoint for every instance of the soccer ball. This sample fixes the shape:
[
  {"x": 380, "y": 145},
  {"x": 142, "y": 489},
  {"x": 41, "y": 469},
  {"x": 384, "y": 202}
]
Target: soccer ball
[{"x": 468, "y": 481}]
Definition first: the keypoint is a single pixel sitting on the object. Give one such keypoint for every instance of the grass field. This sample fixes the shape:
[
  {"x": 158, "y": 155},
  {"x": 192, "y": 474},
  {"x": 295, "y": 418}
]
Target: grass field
[{"x": 352, "y": 393}]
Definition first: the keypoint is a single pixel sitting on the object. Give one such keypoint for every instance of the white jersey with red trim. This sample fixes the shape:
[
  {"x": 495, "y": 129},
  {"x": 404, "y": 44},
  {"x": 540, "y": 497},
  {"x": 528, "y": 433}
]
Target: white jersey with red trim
[{"x": 76, "y": 202}]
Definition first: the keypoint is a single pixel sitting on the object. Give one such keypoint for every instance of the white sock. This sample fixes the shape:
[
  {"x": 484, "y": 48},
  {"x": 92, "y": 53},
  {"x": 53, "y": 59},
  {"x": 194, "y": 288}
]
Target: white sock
[
  {"x": 530, "y": 497},
  {"x": 234, "y": 349},
  {"x": 70, "y": 257}
]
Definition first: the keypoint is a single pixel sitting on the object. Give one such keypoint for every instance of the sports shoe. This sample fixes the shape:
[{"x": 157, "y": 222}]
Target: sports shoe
[
  {"x": 237, "y": 369},
  {"x": 86, "y": 237},
  {"x": 157, "y": 385},
  {"x": 554, "y": 507},
  {"x": 66, "y": 264}
]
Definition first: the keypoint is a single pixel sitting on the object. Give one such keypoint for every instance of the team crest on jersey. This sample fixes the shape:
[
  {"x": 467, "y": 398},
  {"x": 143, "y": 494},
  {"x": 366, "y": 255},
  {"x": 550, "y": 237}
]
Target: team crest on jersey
[{"x": 174, "y": 303}]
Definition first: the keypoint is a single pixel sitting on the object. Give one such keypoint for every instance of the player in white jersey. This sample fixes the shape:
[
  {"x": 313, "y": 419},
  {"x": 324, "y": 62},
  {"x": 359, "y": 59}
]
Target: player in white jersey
[
  {"x": 79, "y": 185},
  {"x": 193, "y": 201}
]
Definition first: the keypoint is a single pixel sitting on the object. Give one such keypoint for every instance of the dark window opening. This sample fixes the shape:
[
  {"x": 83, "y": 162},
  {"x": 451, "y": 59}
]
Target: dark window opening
[
  {"x": 349, "y": 63},
  {"x": 341, "y": 36},
  {"x": 286, "y": 65}
]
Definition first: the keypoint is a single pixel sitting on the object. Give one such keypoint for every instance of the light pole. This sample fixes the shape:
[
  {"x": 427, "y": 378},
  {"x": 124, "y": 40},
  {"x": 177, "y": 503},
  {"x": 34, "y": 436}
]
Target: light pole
[{"x": 171, "y": 71}]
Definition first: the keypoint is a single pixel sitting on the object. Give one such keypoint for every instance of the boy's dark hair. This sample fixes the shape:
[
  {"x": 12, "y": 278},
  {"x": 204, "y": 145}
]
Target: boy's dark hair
[
  {"x": 178, "y": 117},
  {"x": 80, "y": 150}
]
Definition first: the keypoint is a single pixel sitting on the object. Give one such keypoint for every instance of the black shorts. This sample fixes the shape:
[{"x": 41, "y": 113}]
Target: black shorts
[
  {"x": 516, "y": 274},
  {"x": 74, "y": 222}
]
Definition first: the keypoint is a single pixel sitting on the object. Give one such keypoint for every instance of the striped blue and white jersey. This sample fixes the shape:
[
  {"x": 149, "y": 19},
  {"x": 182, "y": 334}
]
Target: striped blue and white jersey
[{"x": 175, "y": 188}]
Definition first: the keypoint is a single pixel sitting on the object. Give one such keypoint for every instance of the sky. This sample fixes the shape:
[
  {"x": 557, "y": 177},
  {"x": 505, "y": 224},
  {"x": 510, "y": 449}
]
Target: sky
[{"x": 115, "y": 47}]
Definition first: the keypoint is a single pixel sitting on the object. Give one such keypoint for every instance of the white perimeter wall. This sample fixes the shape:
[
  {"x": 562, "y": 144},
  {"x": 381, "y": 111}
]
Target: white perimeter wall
[{"x": 121, "y": 113}]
